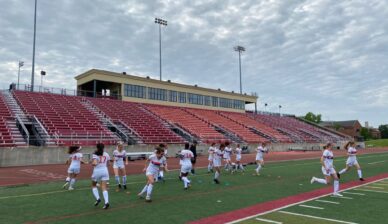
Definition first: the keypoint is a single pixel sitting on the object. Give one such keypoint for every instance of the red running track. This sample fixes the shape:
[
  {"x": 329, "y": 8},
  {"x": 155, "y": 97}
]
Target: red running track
[{"x": 10, "y": 176}]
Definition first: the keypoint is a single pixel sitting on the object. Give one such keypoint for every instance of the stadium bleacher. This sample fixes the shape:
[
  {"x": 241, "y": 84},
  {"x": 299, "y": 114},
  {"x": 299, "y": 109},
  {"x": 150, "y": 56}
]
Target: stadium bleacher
[{"x": 6, "y": 139}]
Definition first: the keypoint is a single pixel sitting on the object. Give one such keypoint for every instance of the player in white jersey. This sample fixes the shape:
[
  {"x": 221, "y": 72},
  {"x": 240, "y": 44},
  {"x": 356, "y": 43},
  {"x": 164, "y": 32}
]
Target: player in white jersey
[
  {"x": 238, "y": 152},
  {"x": 210, "y": 158},
  {"x": 352, "y": 160},
  {"x": 328, "y": 170},
  {"x": 75, "y": 161},
  {"x": 120, "y": 160},
  {"x": 161, "y": 171},
  {"x": 261, "y": 149},
  {"x": 152, "y": 166},
  {"x": 185, "y": 161},
  {"x": 217, "y": 162},
  {"x": 100, "y": 174},
  {"x": 228, "y": 157}
]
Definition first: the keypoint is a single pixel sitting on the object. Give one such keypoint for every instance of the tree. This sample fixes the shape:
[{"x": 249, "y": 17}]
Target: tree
[
  {"x": 310, "y": 116},
  {"x": 365, "y": 132},
  {"x": 384, "y": 130}
]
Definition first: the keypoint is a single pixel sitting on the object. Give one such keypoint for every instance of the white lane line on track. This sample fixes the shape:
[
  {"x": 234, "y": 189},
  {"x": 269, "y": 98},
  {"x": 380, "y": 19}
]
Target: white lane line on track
[
  {"x": 329, "y": 202},
  {"x": 269, "y": 221},
  {"x": 313, "y": 207},
  {"x": 316, "y": 217}
]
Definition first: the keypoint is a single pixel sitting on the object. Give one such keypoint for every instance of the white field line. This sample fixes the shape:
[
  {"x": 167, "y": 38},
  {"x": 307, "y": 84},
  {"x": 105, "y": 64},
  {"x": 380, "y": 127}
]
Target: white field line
[
  {"x": 343, "y": 197},
  {"x": 269, "y": 221},
  {"x": 381, "y": 184},
  {"x": 373, "y": 187},
  {"x": 330, "y": 202},
  {"x": 316, "y": 217},
  {"x": 385, "y": 192},
  {"x": 301, "y": 202},
  {"x": 376, "y": 162},
  {"x": 353, "y": 193},
  {"x": 313, "y": 207}
]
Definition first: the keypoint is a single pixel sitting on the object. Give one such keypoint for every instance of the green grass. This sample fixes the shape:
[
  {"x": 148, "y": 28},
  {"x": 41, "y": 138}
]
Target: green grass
[
  {"x": 376, "y": 143},
  {"x": 171, "y": 204}
]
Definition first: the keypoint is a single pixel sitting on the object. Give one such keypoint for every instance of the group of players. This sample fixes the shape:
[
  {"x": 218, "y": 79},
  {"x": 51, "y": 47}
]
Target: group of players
[{"x": 157, "y": 163}]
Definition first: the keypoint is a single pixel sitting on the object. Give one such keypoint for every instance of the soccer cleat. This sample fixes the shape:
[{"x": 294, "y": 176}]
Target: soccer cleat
[
  {"x": 339, "y": 175},
  {"x": 336, "y": 194},
  {"x": 106, "y": 206},
  {"x": 180, "y": 178},
  {"x": 65, "y": 185},
  {"x": 216, "y": 181},
  {"x": 148, "y": 199},
  {"x": 125, "y": 187},
  {"x": 312, "y": 180},
  {"x": 71, "y": 189},
  {"x": 186, "y": 188},
  {"x": 362, "y": 179},
  {"x": 140, "y": 195},
  {"x": 97, "y": 202},
  {"x": 119, "y": 186}
]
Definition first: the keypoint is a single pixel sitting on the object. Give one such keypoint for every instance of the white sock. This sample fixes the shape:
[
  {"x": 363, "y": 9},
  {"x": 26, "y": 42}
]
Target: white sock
[
  {"x": 321, "y": 181},
  {"x": 185, "y": 181},
  {"x": 117, "y": 180},
  {"x": 209, "y": 167},
  {"x": 149, "y": 190},
  {"x": 72, "y": 182},
  {"x": 359, "y": 172},
  {"x": 144, "y": 189},
  {"x": 124, "y": 180},
  {"x": 258, "y": 168},
  {"x": 336, "y": 186},
  {"x": 342, "y": 171},
  {"x": 241, "y": 167},
  {"x": 216, "y": 175},
  {"x": 95, "y": 193},
  {"x": 161, "y": 174},
  {"x": 67, "y": 179},
  {"x": 106, "y": 196}
]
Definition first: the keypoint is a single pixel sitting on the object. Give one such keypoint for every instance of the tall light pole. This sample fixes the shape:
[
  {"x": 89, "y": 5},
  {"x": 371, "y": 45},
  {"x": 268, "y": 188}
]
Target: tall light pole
[
  {"x": 280, "y": 107},
  {"x": 33, "y": 51},
  {"x": 161, "y": 23},
  {"x": 21, "y": 63},
  {"x": 239, "y": 49},
  {"x": 265, "y": 106}
]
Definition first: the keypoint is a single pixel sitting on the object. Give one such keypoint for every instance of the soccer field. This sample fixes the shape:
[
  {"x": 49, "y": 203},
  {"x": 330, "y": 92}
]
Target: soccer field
[{"x": 48, "y": 203}]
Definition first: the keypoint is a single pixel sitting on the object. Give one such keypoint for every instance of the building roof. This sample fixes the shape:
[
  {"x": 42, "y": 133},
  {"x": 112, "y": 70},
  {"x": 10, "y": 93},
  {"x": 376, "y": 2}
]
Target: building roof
[{"x": 350, "y": 123}]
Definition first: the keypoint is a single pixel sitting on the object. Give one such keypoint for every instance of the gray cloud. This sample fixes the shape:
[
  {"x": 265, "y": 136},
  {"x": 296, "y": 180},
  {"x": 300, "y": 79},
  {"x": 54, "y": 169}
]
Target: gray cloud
[{"x": 324, "y": 56}]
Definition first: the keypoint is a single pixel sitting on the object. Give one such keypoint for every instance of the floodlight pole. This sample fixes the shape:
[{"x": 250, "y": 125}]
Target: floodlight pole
[
  {"x": 239, "y": 49},
  {"x": 20, "y": 64},
  {"x": 161, "y": 23},
  {"x": 33, "y": 51}
]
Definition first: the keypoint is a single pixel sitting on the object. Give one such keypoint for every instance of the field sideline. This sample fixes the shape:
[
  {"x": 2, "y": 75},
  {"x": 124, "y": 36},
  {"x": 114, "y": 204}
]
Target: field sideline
[{"x": 47, "y": 203}]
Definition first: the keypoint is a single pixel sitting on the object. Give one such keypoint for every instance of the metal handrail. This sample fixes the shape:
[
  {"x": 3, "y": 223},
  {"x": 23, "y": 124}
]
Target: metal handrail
[{"x": 23, "y": 127}]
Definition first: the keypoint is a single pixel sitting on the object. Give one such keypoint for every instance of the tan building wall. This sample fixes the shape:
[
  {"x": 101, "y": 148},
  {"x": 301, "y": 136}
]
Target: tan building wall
[{"x": 122, "y": 79}]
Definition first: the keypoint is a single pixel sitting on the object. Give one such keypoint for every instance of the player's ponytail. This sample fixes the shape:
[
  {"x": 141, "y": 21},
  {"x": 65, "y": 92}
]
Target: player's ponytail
[
  {"x": 100, "y": 149},
  {"x": 347, "y": 145},
  {"x": 327, "y": 146},
  {"x": 187, "y": 145},
  {"x": 73, "y": 149}
]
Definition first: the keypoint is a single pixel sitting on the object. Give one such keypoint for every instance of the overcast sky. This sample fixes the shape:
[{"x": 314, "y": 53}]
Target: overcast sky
[{"x": 324, "y": 56}]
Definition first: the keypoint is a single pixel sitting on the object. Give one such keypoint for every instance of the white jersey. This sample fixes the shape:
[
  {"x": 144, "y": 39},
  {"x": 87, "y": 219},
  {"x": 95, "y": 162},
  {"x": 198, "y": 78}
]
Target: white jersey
[
  {"x": 328, "y": 158},
  {"x": 76, "y": 159},
  {"x": 102, "y": 161},
  {"x": 352, "y": 158},
  {"x": 218, "y": 155},
  {"x": 119, "y": 157},
  {"x": 211, "y": 153},
  {"x": 155, "y": 164},
  {"x": 227, "y": 153},
  {"x": 260, "y": 152},
  {"x": 238, "y": 153},
  {"x": 186, "y": 156}
]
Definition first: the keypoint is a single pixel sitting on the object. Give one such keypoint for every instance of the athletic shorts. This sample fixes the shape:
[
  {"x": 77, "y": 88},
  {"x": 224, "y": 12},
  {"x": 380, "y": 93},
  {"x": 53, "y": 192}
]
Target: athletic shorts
[
  {"x": 259, "y": 158},
  {"x": 186, "y": 168},
  {"x": 351, "y": 161},
  {"x": 154, "y": 173},
  {"x": 100, "y": 175},
  {"x": 328, "y": 172},
  {"x": 210, "y": 158},
  {"x": 73, "y": 170},
  {"x": 217, "y": 163},
  {"x": 238, "y": 157},
  {"x": 118, "y": 166}
]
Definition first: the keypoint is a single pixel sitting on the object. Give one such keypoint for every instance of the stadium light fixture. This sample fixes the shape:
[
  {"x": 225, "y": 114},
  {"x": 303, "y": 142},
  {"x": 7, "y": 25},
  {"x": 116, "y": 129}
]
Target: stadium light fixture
[
  {"x": 20, "y": 64},
  {"x": 42, "y": 73},
  {"x": 239, "y": 49},
  {"x": 265, "y": 106},
  {"x": 280, "y": 107},
  {"x": 161, "y": 23},
  {"x": 33, "y": 51}
]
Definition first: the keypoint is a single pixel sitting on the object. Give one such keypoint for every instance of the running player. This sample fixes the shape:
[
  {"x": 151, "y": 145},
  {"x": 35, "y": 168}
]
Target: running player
[
  {"x": 100, "y": 162},
  {"x": 217, "y": 162},
  {"x": 186, "y": 155},
  {"x": 119, "y": 157},
  {"x": 352, "y": 160},
  {"x": 75, "y": 160},
  {"x": 328, "y": 170},
  {"x": 261, "y": 149},
  {"x": 227, "y": 157},
  {"x": 154, "y": 162},
  {"x": 210, "y": 158},
  {"x": 238, "y": 152},
  {"x": 161, "y": 171}
]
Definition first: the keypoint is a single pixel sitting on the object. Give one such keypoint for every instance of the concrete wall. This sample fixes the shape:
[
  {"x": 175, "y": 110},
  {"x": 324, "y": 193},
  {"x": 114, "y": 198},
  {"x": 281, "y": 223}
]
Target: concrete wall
[{"x": 58, "y": 155}]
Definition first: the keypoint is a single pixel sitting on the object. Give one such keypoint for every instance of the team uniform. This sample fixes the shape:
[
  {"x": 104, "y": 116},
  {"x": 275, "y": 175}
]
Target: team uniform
[
  {"x": 153, "y": 169},
  {"x": 260, "y": 158},
  {"x": 218, "y": 155},
  {"x": 210, "y": 158},
  {"x": 227, "y": 157},
  {"x": 352, "y": 161},
  {"x": 186, "y": 165},
  {"x": 75, "y": 165},
  {"x": 100, "y": 171},
  {"x": 328, "y": 170},
  {"x": 118, "y": 163},
  {"x": 238, "y": 159}
]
